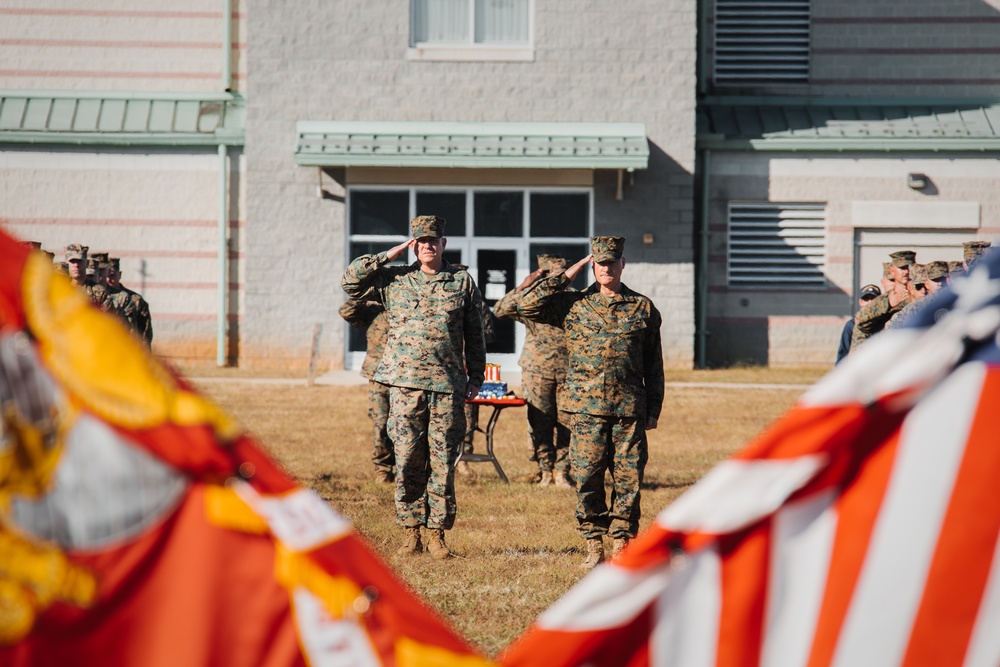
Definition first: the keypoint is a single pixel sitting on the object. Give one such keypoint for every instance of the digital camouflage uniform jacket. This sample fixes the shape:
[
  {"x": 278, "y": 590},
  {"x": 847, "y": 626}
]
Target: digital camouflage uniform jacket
[
  {"x": 544, "y": 352},
  {"x": 614, "y": 350},
  {"x": 432, "y": 319},
  {"x": 371, "y": 314},
  {"x": 872, "y": 318}
]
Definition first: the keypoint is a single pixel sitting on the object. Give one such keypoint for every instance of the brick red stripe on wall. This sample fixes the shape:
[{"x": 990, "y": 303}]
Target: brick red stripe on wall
[
  {"x": 115, "y": 222},
  {"x": 82, "y": 44},
  {"x": 193, "y": 286},
  {"x": 25, "y": 73},
  {"x": 24, "y": 11}
]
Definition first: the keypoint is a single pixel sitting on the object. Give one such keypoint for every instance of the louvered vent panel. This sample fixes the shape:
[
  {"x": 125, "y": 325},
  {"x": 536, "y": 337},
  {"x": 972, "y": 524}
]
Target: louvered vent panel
[
  {"x": 761, "y": 41},
  {"x": 777, "y": 244}
]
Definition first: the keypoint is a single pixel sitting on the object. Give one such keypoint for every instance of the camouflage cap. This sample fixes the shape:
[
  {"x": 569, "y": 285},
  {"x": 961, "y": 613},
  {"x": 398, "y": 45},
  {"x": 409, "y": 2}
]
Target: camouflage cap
[
  {"x": 115, "y": 264},
  {"x": 918, "y": 273},
  {"x": 76, "y": 251},
  {"x": 551, "y": 262},
  {"x": 936, "y": 269},
  {"x": 955, "y": 267},
  {"x": 427, "y": 225},
  {"x": 101, "y": 258},
  {"x": 973, "y": 250},
  {"x": 903, "y": 258},
  {"x": 607, "y": 248}
]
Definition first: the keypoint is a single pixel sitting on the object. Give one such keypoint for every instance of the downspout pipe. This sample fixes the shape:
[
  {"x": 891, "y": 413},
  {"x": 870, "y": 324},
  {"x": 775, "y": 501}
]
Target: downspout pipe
[
  {"x": 220, "y": 340},
  {"x": 227, "y": 44},
  {"x": 223, "y": 224},
  {"x": 701, "y": 317}
]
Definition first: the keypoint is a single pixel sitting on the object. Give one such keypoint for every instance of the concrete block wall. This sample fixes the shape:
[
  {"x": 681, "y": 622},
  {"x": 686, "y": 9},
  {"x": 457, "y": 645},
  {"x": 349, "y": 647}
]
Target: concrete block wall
[
  {"x": 119, "y": 45},
  {"x": 796, "y": 326},
  {"x": 633, "y": 61},
  {"x": 157, "y": 211}
]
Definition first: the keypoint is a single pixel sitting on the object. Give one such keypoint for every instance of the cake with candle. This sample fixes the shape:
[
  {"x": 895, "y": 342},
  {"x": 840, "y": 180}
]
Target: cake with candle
[{"x": 493, "y": 387}]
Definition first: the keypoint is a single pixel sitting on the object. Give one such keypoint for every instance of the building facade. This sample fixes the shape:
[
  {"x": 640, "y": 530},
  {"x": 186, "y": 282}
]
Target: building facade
[
  {"x": 831, "y": 134},
  {"x": 761, "y": 158}
]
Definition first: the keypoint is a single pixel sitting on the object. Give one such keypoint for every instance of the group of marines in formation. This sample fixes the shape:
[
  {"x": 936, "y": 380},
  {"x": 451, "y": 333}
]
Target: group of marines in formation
[
  {"x": 592, "y": 375},
  {"x": 905, "y": 284},
  {"x": 99, "y": 276}
]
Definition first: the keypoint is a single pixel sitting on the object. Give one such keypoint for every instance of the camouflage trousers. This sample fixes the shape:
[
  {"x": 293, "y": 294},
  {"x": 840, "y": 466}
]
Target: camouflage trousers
[
  {"x": 612, "y": 444},
  {"x": 378, "y": 411},
  {"x": 471, "y": 426},
  {"x": 547, "y": 425},
  {"x": 426, "y": 429}
]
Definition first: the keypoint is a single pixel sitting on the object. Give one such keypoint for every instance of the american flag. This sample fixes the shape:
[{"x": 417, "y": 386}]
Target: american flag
[{"x": 859, "y": 529}]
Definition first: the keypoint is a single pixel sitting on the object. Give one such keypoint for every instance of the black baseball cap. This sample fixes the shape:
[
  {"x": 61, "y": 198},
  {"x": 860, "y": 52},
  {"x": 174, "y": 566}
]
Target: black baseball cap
[{"x": 870, "y": 291}]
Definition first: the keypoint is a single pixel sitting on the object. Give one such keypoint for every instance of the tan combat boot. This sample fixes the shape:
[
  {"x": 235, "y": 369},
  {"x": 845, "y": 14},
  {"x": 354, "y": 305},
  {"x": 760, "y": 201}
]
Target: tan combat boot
[
  {"x": 618, "y": 546},
  {"x": 437, "y": 547},
  {"x": 595, "y": 554},
  {"x": 546, "y": 478},
  {"x": 412, "y": 546},
  {"x": 563, "y": 481}
]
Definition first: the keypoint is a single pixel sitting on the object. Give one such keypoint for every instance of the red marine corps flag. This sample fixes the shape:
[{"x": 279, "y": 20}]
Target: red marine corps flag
[
  {"x": 859, "y": 529},
  {"x": 140, "y": 526}
]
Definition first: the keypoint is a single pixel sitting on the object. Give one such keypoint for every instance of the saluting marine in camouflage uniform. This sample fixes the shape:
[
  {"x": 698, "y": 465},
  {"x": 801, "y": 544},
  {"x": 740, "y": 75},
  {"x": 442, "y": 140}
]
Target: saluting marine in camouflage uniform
[
  {"x": 435, "y": 319},
  {"x": 543, "y": 371},
  {"x": 370, "y": 315},
  {"x": 925, "y": 280},
  {"x": 614, "y": 388},
  {"x": 972, "y": 251},
  {"x": 872, "y": 318}
]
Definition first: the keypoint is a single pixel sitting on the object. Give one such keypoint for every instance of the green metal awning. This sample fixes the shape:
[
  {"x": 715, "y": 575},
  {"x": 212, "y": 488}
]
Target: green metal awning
[
  {"x": 817, "y": 124},
  {"x": 472, "y": 145},
  {"x": 121, "y": 118}
]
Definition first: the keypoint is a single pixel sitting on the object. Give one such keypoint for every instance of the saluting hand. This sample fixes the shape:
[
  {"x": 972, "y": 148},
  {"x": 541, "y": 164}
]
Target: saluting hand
[
  {"x": 394, "y": 252},
  {"x": 573, "y": 271},
  {"x": 530, "y": 278}
]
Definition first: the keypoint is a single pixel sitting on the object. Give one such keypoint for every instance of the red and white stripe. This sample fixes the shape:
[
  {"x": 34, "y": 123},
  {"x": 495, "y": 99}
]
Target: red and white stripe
[{"x": 860, "y": 529}]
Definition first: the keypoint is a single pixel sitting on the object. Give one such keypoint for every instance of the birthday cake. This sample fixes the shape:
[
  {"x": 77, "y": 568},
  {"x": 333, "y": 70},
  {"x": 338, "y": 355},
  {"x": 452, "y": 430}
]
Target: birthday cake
[{"x": 493, "y": 387}]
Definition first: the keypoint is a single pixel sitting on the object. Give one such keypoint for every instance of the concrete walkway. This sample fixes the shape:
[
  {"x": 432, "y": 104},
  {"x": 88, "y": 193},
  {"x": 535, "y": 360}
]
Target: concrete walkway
[{"x": 345, "y": 378}]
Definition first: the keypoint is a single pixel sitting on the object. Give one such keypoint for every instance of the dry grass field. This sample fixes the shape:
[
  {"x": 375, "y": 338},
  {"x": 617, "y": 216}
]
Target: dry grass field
[{"x": 517, "y": 547}]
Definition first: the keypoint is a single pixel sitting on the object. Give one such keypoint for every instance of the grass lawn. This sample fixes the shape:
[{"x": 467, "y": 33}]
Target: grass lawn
[{"x": 517, "y": 545}]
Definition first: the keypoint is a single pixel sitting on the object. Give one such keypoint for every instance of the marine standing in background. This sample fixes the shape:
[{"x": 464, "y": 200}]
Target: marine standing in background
[
  {"x": 128, "y": 304},
  {"x": 614, "y": 388},
  {"x": 872, "y": 318},
  {"x": 370, "y": 315},
  {"x": 972, "y": 251},
  {"x": 472, "y": 409},
  {"x": 543, "y": 372},
  {"x": 97, "y": 270},
  {"x": 435, "y": 319},
  {"x": 76, "y": 263}
]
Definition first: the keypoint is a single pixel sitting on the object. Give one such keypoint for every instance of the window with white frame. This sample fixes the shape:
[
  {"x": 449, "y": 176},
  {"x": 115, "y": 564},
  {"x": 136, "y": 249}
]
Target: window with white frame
[
  {"x": 536, "y": 220},
  {"x": 470, "y": 29},
  {"x": 774, "y": 244},
  {"x": 761, "y": 42}
]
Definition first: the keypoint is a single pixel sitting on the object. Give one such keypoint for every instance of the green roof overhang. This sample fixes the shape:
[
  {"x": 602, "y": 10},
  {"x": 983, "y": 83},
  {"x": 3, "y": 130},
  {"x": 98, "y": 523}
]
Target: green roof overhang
[
  {"x": 472, "y": 145},
  {"x": 848, "y": 125},
  {"x": 121, "y": 118}
]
